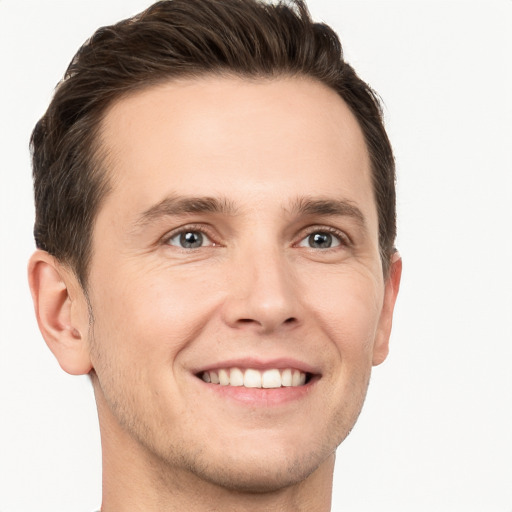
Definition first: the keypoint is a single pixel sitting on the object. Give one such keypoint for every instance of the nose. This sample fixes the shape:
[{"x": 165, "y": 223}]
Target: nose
[{"x": 263, "y": 294}]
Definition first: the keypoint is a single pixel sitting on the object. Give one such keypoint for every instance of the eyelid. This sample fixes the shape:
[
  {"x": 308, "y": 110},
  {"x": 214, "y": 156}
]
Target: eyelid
[
  {"x": 201, "y": 228},
  {"x": 344, "y": 239}
]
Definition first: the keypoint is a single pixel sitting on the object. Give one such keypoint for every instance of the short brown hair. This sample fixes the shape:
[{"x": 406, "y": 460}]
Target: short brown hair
[{"x": 183, "y": 38}]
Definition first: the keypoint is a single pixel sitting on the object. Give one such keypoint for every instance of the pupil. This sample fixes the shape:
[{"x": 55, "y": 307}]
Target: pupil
[
  {"x": 320, "y": 240},
  {"x": 191, "y": 240}
]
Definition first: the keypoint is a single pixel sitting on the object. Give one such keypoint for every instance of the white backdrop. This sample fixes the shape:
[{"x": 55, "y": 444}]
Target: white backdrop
[{"x": 436, "y": 431}]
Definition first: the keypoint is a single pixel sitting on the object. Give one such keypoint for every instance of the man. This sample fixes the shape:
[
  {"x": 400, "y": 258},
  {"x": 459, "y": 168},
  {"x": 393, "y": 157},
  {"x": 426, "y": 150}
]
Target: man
[{"x": 215, "y": 222}]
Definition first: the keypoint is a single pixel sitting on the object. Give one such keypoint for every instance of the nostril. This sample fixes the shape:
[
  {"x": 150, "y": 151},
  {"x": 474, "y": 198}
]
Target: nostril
[{"x": 247, "y": 321}]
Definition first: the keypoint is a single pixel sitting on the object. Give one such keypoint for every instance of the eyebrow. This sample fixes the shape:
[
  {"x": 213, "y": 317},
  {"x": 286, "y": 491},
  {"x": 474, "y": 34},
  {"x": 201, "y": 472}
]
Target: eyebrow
[
  {"x": 301, "y": 206},
  {"x": 175, "y": 205},
  {"x": 327, "y": 207}
]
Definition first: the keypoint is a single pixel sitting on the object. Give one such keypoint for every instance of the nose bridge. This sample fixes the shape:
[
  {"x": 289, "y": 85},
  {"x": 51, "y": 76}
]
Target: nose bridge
[{"x": 262, "y": 291}]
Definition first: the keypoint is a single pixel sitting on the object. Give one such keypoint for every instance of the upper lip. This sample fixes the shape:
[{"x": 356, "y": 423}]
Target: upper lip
[{"x": 260, "y": 364}]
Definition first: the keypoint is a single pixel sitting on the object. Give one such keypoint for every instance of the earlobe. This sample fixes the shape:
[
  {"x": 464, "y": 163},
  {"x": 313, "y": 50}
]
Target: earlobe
[
  {"x": 392, "y": 285},
  {"x": 60, "y": 316}
]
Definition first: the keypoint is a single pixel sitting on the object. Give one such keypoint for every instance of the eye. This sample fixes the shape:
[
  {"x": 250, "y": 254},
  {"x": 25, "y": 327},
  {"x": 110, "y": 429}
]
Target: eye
[
  {"x": 321, "y": 240},
  {"x": 190, "y": 240}
]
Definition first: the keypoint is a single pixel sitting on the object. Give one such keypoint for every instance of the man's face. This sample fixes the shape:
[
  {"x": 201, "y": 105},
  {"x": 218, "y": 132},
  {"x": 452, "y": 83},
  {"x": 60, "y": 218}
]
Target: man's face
[{"x": 240, "y": 239}]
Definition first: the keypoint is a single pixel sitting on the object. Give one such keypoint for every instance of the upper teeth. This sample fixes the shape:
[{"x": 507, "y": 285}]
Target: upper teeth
[{"x": 252, "y": 378}]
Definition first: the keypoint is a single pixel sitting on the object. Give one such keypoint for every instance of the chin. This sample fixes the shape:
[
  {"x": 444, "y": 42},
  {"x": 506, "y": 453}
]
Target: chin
[{"x": 259, "y": 476}]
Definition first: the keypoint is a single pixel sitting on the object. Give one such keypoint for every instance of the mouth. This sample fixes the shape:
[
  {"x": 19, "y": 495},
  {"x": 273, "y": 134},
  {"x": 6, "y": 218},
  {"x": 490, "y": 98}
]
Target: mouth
[{"x": 270, "y": 378}]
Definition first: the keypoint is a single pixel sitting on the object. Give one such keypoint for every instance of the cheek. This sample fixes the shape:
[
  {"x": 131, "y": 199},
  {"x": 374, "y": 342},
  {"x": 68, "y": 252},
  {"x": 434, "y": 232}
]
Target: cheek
[
  {"x": 347, "y": 307},
  {"x": 141, "y": 326},
  {"x": 153, "y": 316}
]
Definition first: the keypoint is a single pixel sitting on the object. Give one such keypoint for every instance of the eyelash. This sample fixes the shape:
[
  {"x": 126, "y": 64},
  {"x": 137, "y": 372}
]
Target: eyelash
[
  {"x": 191, "y": 228},
  {"x": 343, "y": 238}
]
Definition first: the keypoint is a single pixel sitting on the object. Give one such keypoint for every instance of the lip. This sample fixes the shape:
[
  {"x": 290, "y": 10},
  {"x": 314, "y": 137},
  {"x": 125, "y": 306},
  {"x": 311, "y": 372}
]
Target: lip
[
  {"x": 260, "y": 397},
  {"x": 260, "y": 364}
]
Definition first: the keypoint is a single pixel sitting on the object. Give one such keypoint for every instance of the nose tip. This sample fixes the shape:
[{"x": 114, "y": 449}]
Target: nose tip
[{"x": 263, "y": 298}]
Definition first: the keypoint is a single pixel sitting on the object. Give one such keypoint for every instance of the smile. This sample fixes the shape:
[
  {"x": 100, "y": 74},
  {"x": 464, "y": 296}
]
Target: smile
[{"x": 252, "y": 378}]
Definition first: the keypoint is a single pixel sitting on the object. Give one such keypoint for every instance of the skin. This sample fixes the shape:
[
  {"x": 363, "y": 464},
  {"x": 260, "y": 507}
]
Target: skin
[{"x": 272, "y": 153}]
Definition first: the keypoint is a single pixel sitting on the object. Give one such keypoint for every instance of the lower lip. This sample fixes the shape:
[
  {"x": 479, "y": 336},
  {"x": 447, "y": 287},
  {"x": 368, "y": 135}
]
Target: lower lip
[{"x": 262, "y": 397}]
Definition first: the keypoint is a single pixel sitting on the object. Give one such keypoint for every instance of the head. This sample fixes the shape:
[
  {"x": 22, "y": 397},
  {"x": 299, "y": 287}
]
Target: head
[
  {"x": 215, "y": 200},
  {"x": 244, "y": 38}
]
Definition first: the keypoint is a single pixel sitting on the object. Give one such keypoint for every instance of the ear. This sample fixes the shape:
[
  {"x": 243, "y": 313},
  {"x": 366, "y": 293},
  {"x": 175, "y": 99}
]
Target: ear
[
  {"x": 61, "y": 311},
  {"x": 391, "y": 287}
]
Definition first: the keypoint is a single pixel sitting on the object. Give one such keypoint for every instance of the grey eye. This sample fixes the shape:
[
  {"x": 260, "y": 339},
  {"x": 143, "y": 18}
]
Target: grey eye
[
  {"x": 320, "y": 240},
  {"x": 189, "y": 240}
]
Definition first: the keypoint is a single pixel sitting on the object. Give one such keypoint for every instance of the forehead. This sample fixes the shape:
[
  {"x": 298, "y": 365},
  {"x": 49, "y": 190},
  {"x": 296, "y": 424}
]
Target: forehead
[{"x": 233, "y": 136}]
